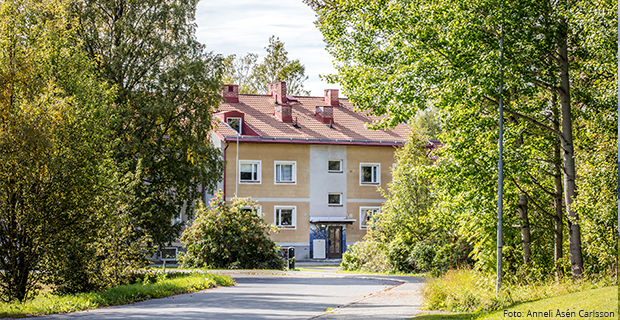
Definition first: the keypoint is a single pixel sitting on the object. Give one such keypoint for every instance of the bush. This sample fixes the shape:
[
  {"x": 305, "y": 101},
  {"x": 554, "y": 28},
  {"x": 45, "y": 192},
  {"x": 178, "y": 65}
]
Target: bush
[
  {"x": 227, "y": 236},
  {"x": 367, "y": 255}
]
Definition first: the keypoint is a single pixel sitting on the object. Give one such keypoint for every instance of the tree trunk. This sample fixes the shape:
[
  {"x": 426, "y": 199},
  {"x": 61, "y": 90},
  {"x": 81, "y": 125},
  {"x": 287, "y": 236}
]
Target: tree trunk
[
  {"x": 558, "y": 221},
  {"x": 525, "y": 227},
  {"x": 574, "y": 230}
]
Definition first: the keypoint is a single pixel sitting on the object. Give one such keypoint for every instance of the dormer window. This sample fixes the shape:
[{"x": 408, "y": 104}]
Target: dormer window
[{"x": 235, "y": 124}]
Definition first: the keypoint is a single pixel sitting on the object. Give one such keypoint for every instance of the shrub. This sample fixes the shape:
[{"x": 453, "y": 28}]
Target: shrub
[
  {"x": 366, "y": 255},
  {"x": 228, "y": 236}
]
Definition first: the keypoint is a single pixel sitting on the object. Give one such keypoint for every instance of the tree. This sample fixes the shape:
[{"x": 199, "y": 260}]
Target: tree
[
  {"x": 54, "y": 164},
  {"x": 253, "y": 77},
  {"x": 240, "y": 71},
  {"x": 231, "y": 236},
  {"x": 162, "y": 116},
  {"x": 393, "y": 58}
]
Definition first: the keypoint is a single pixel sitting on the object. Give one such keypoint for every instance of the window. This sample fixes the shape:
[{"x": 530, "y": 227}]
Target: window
[
  {"x": 366, "y": 214},
  {"x": 249, "y": 171},
  {"x": 234, "y": 123},
  {"x": 334, "y": 166},
  {"x": 254, "y": 209},
  {"x": 334, "y": 199},
  {"x": 285, "y": 171},
  {"x": 370, "y": 173},
  {"x": 168, "y": 254},
  {"x": 285, "y": 217}
]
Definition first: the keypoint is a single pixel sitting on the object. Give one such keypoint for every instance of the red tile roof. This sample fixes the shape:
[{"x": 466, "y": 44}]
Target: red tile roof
[{"x": 349, "y": 126}]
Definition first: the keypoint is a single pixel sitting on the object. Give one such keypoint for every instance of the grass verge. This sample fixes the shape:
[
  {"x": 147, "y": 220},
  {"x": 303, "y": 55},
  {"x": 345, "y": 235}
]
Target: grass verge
[
  {"x": 469, "y": 291},
  {"x": 171, "y": 284},
  {"x": 579, "y": 305}
]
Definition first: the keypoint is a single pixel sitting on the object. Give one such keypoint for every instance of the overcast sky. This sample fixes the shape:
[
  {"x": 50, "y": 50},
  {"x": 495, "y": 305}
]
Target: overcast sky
[{"x": 242, "y": 26}]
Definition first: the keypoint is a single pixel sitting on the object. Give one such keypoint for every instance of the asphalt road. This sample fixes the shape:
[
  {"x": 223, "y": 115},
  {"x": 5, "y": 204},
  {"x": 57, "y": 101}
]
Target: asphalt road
[{"x": 284, "y": 296}]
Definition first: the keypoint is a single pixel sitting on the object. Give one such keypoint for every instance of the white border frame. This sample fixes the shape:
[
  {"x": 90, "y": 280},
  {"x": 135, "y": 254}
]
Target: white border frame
[
  {"x": 333, "y": 171},
  {"x": 334, "y": 204},
  {"x": 259, "y": 173},
  {"x": 365, "y": 227},
  {"x": 285, "y": 162},
  {"x": 368, "y": 164},
  {"x": 240, "y": 124},
  {"x": 275, "y": 217}
]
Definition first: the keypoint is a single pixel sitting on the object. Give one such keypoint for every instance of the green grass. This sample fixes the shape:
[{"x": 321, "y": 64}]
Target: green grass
[
  {"x": 47, "y": 303},
  {"x": 600, "y": 300},
  {"x": 469, "y": 291}
]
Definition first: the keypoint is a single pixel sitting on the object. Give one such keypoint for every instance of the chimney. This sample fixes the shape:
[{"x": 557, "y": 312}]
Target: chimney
[
  {"x": 231, "y": 93},
  {"x": 325, "y": 114},
  {"x": 331, "y": 97},
  {"x": 278, "y": 91},
  {"x": 284, "y": 112}
]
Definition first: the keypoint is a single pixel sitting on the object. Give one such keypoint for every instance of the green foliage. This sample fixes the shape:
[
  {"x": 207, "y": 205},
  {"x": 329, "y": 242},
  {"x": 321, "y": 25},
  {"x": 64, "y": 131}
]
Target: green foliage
[
  {"x": 469, "y": 291},
  {"x": 55, "y": 170},
  {"x": 367, "y": 256},
  {"x": 173, "y": 284},
  {"x": 396, "y": 58},
  {"x": 407, "y": 236},
  {"x": 427, "y": 123},
  {"x": 162, "y": 116},
  {"x": 227, "y": 236},
  {"x": 253, "y": 77}
]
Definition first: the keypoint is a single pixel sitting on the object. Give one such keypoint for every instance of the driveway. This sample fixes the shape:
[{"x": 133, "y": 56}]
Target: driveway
[{"x": 281, "y": 295}]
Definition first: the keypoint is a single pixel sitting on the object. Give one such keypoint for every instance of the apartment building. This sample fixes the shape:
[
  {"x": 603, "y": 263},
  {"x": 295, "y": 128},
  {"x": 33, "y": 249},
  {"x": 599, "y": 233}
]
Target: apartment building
[{"x": 310, "y": 162}]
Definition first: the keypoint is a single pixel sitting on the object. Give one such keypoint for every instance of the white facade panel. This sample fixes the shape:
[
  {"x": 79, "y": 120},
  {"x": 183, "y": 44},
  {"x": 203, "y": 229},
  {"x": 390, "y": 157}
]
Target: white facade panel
[{"x": 323, "y": 182}]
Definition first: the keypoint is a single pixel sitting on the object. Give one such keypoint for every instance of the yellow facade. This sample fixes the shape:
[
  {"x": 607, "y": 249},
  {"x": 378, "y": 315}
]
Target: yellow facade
[{"x": 299, "y": 194}]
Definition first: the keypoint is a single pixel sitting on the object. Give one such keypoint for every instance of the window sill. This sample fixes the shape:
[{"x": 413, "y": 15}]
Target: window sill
[
  {"x": 250, "y": 182},
  {"x": 370, "y": 183},
  {"x": 286, "y": 227},
  {"x": 335, "y": 205},
  {"x": 285, "y": 182},
  {"x": 330, "y": 171}
]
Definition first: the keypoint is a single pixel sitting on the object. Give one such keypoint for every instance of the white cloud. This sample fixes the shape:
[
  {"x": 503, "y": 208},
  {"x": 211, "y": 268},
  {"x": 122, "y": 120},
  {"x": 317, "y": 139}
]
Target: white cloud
[{"x": 241, "y": 26}]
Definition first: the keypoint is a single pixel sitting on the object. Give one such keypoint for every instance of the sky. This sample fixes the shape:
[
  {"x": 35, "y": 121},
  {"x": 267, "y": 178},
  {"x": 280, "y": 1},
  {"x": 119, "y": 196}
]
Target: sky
[{"x": 242, "y": 26}]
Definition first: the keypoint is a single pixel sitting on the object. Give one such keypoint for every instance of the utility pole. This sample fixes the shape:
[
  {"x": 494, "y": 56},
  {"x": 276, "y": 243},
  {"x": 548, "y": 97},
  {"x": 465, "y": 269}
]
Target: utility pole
[{"x": 500, "y": 164}]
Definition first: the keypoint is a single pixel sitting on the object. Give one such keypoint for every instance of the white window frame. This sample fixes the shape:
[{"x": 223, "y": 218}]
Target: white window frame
[
  {"x": 258, "y": 173},
  {"x": 293, "y": 218},
  {"x": 240, "y": 123},
  {"x": 275, "y": 169},
  {"x": 335, "y": 171},
  {"x": 362, "y": 209},
  {"x": 176, "y": 254},
  {"x": 334, "y": 204},
  {"x": 378, "y": 182},
  {"x": 257, "y": 209}
]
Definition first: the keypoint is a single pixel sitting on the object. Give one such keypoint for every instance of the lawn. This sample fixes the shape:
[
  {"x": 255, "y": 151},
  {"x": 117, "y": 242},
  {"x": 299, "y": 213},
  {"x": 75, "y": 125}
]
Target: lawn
[
  {"x": 577, "y": 305},
  {"x": 163, "y": 286}
]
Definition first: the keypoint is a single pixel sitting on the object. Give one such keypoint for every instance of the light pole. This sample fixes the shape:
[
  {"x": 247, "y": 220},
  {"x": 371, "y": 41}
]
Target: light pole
[
  {"x": 236, "y": 163},
  {"x": 500, "y": 164}
]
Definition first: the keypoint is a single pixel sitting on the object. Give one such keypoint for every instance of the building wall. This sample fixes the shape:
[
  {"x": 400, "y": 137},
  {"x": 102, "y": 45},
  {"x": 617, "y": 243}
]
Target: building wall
[
  {"x": 368, "y": 154},
  {"x": 323, "y": 182},
  {"x": 267, "y": 154},
  {"x": 309, "y": 193}
]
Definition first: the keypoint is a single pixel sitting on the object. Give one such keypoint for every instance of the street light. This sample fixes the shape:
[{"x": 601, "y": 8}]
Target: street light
[{"x": 500, "y": 164}]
